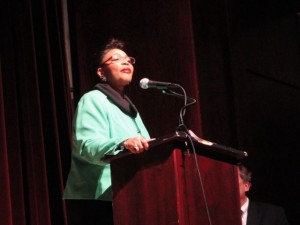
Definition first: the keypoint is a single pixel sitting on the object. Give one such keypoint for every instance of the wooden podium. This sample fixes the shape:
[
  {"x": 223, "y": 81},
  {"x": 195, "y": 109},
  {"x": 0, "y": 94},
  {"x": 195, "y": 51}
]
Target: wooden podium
[{"x": 179, "y": 180}]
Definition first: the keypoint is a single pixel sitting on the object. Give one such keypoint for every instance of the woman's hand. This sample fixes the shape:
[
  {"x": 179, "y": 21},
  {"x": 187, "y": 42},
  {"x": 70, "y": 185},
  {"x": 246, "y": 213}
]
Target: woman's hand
[{"x": 136, "y": 145}]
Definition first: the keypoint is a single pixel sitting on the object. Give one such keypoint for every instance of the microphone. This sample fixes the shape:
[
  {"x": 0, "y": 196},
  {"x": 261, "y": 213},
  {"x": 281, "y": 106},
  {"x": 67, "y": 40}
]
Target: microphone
[{"x": 145, "y": 83}]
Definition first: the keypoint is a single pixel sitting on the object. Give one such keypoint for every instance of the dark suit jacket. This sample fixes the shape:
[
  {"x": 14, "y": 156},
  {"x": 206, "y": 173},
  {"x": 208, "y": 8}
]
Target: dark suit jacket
[{"x": 265, "y": 214}]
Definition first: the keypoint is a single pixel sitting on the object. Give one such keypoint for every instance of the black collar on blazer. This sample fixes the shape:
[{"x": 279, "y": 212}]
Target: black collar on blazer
[{"x": 123, "y": 102}]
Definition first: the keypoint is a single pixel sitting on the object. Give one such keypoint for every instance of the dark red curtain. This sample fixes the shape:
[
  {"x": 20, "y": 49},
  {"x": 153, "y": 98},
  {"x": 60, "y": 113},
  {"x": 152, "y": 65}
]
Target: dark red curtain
[
  {"x": 241, "y": 59},
  {"x": 35, "y": 95},
  {"x": 35, "y": 113}
]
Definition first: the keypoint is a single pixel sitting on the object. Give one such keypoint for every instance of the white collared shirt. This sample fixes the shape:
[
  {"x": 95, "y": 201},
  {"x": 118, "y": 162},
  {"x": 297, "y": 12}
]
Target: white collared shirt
[{"x": 244, "y": 211}]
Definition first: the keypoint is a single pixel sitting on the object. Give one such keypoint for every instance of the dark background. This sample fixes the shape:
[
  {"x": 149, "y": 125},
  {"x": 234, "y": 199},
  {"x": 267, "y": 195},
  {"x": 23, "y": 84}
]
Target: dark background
[{"x": 239, "y": 59}]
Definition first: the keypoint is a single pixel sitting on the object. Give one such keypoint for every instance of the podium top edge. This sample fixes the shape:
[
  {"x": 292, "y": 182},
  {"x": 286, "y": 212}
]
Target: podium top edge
[{"x": 183, "y": 136}]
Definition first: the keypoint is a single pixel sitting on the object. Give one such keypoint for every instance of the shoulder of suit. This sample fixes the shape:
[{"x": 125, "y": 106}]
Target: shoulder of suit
[{"x": 267, "y": 206}]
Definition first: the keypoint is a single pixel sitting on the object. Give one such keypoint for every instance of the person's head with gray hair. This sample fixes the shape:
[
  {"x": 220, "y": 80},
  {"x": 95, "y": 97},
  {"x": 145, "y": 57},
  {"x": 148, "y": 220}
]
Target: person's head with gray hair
[
  {"x": 245, "y": 174},
  {"x": 244, "y": 182}
]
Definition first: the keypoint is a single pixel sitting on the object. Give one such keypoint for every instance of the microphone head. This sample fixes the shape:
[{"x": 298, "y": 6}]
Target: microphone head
[{"x": 144, "y": 83}]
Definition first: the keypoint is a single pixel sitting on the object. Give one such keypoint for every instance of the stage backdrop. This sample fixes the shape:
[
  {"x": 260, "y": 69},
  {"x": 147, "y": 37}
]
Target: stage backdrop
[
  {"x": 37, "y": 87},
  {"x": 239, "y": 59}
]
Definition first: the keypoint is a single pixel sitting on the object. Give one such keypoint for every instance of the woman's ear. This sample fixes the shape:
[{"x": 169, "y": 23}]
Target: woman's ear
[{"x": 100, "y": 73}]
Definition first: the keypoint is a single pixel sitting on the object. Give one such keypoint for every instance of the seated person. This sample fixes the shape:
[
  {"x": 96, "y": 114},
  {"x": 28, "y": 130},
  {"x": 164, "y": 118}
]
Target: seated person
[{"x": 257, "y": 213}]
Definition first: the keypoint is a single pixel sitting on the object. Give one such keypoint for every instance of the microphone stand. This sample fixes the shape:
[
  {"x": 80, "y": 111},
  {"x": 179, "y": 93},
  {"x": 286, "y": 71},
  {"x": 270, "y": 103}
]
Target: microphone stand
[{"x": 181, "y": 126}]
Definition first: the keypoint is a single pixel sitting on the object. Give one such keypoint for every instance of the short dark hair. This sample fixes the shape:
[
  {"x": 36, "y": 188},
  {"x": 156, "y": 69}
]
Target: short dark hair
[
  {"x": 245, "y": 174},
  {"x": 97, "y": 56},
  {"x": 111, "y": 44}
]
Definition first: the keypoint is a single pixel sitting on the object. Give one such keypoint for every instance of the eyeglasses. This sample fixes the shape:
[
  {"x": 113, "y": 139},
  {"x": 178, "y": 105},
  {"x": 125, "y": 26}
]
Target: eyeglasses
[{"x": 117, "y": 58}]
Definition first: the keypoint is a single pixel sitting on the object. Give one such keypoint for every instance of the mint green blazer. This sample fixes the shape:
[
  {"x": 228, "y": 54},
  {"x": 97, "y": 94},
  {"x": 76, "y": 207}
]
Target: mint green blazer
[{"x": 99, "y": 128}]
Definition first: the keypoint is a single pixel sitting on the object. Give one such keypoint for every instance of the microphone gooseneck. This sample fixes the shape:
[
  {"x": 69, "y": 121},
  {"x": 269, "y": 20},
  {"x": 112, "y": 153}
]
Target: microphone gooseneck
[{"x": 165, "y": 87}]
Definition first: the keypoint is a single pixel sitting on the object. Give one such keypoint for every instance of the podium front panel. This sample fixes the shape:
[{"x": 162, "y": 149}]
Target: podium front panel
[{"x": 164, "y": 186}]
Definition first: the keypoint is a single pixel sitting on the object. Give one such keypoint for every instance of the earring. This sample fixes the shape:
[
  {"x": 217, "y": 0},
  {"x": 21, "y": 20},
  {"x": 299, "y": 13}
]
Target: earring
[{"x": 103, "y": 79}]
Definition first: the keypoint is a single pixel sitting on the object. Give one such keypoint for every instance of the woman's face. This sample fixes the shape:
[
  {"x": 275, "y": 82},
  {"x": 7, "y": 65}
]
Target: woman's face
[{"x": 117, "y": 68}]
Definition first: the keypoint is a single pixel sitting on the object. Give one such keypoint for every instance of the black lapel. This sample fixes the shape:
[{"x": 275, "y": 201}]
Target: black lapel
[
  {"x": 124, "y": 103},
  {"x": 254, "y": 214}
]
